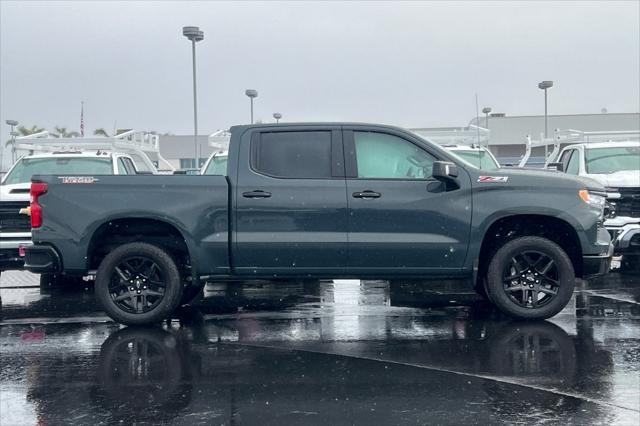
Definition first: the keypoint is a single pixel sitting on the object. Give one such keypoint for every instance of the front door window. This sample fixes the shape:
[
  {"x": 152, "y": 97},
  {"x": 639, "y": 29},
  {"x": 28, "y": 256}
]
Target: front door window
[{"x": 384, "y": 156}]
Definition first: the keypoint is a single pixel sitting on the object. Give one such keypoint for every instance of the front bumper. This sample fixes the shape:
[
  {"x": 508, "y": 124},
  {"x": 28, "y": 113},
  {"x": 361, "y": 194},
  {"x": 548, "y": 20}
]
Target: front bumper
[
  {"x": 42, "y": 259},
  {"x": 626, "y": 237},
  {"x": 597, "y": 265}
]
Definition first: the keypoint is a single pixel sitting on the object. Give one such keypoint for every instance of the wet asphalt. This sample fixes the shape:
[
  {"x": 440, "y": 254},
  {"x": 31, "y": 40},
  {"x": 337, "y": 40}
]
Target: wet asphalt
[{"x": 329, "y": 353}]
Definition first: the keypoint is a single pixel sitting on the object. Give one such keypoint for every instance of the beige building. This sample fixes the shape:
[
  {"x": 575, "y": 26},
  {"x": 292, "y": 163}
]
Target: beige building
[{"x": 506, "y": 137}]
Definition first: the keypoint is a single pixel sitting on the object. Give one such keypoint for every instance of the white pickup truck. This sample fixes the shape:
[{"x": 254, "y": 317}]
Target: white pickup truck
[
  {"x": 15, "y": 224},
  {"x": 476, "y": 155},
  {"x": 616, "y": 165}
]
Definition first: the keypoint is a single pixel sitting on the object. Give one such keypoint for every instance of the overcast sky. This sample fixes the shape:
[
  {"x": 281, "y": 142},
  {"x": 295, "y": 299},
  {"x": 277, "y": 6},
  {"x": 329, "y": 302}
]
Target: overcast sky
[{"x": 410, "y": 64}]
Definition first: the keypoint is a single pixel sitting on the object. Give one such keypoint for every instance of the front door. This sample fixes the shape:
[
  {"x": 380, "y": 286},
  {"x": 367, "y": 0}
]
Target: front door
[
  {"x": 291, "y": 204},
  {"x": 401, "y": 220}
]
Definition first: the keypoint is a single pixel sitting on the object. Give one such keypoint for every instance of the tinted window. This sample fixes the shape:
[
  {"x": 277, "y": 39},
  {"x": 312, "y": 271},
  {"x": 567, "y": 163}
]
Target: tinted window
[
  {"x": 564, "y": 159},
  {"x": 122, "y": 169},
  {"x": 574, "y": 163},
  {"x": 294, "y": 154},
  {"x": 382, "y": 156},
  {"x": 131, "y": 168},
  {"x": 141, "y": 165}
]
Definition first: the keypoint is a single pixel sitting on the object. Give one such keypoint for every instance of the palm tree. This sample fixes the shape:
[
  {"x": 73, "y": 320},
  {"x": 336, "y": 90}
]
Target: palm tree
[
  {"x": 62, "y": 132},
  {"x": 101, "y": 132},
  {"x": 25, "y": 131}
]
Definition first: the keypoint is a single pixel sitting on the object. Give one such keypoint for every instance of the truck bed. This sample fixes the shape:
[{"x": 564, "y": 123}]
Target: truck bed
[{"x": 74, "y": 207}]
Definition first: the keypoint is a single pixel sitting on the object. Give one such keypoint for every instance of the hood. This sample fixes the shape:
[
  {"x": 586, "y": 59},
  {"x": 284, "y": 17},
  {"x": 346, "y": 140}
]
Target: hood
[
  {"x": 621, "y": 179},
  {"x": 541, "y": 178},
  {"x": 15, "y": 192}
]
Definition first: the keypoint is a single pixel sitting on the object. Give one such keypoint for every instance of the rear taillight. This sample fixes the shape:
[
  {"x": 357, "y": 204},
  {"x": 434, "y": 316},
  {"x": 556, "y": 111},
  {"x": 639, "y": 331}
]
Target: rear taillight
[{"x": 37, "y": 189}]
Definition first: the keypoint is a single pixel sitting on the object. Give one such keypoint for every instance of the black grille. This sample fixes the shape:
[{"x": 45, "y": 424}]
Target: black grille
[
  {"x": 10, "y": 218},
  {"x": 629, "y": 202}
]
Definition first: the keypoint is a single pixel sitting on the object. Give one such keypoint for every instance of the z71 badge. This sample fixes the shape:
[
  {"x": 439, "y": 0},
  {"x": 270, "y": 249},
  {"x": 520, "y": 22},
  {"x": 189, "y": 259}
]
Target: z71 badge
[
  {"x": 493, "y": 179},
  {"x": 77, "y": 179}
]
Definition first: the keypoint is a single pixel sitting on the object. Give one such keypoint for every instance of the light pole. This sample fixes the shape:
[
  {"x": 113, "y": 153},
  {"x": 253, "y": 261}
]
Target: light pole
[
  {"x": 12, "y": 123},
  {"x": 194, "y": 34},
  {"x": 544, "y": 85},
  {"x": 486, "y": 111},
  {"x": 251, "y": 93},
  {"x": 277, "y": 116}
]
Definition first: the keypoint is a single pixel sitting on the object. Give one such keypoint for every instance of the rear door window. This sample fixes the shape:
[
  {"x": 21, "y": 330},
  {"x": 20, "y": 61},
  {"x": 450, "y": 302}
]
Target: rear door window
[{"x": 301, "y": 155}]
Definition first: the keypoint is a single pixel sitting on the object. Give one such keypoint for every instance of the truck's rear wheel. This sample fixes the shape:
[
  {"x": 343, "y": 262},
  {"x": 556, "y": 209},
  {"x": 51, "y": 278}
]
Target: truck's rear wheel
[
  {"x": 138, "y": 284},
  {"x": 530, "y": 278}
]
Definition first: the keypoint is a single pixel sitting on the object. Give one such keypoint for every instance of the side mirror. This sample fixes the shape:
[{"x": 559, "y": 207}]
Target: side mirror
[
  {"x": 556, "y": 166},
  {"x": 445, "y": 170}
]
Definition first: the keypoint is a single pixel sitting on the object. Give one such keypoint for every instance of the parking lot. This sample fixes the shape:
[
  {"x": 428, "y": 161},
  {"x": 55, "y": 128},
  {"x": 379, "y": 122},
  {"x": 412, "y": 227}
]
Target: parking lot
[{"x": 344, "y": 352}]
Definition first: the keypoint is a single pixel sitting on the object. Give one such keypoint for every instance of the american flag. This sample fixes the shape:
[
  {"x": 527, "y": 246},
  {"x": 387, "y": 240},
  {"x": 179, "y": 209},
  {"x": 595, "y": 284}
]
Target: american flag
[{"x": 82, "y": 120}]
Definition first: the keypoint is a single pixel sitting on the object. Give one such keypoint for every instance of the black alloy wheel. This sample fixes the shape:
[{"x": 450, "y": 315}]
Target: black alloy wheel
[
  {"x": 137, "y": 284},
  {"x": 531, "y": 279}
]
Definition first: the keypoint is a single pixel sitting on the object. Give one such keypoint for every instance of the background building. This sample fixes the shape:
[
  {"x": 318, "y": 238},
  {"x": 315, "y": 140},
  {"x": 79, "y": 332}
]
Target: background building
[
  {"x": 506, "y": 137},
  {"x": 179, "y": 150}
]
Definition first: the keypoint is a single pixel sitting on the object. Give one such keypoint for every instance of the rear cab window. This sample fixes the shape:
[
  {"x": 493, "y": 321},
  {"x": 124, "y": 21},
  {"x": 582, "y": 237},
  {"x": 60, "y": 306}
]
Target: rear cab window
[{"x": 293, "y": 155}]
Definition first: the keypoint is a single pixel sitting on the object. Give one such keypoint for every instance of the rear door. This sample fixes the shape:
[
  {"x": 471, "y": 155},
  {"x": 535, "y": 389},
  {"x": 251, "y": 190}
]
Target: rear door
[
  {"x": 402, "y": 220},
  {"x": 291, "y": 205}
]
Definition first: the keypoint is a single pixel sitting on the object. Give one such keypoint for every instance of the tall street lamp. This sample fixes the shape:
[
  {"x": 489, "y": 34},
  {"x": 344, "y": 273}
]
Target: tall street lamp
[
  {"x": 544, "y": 85},
  {"x": 277, "y": 116},
  {"x": 251, "y": 93},
  {"x": 194, "y": 34},
  {"x": 486, "y": 111},
  {"x": 12, "y": 123}
]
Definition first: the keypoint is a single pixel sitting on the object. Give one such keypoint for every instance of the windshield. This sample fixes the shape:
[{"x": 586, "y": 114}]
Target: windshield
[
  {"x": 217, "y": 166},
  {"x": 479, "y": 159},
  {"x": 610, "y": 160},
  {"x": 27, "y": 167}
]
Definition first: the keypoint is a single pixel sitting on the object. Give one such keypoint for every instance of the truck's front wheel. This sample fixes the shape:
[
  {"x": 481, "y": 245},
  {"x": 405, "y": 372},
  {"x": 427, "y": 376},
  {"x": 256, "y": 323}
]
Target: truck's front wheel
[
  {"x": 530, "y": 278},
  {"x": 138, "y": 284}
]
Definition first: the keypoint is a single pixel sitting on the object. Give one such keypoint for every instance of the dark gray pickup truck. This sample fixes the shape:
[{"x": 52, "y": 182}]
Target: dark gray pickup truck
[{"x": 306, "y": 201}]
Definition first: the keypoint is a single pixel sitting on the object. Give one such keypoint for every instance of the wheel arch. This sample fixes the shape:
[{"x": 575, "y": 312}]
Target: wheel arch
[
  {"x": 506, "y": 228},
  {"x": 116, "y": 231}
]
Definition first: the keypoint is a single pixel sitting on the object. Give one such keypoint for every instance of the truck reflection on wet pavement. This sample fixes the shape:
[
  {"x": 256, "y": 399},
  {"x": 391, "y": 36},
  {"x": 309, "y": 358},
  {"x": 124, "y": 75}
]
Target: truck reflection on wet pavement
[{"x": 348, "y": 352}]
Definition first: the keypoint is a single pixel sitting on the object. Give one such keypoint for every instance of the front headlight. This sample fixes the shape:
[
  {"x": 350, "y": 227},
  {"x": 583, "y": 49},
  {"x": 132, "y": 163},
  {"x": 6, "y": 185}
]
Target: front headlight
[{"x": 594, "y": 200}]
